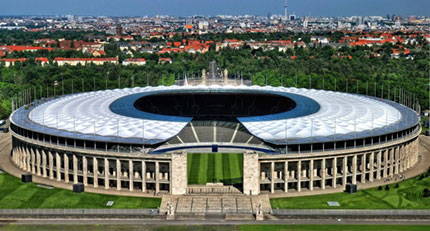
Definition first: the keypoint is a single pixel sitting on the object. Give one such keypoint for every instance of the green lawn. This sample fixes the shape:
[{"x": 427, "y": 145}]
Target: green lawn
[
  {"x": 216, "y": 167},
  {"x": 13, "y": 227},
  {"x": 407, "y": 196},
  {"x": 17, "y": 195}
]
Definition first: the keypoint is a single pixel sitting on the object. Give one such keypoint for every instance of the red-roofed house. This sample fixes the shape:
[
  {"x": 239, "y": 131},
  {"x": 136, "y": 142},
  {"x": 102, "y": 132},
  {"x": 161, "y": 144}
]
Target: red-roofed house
[
  {"x": 11, "y": 62},
  {"x": 84, "y": 61},
  {"x": 165, "y": 60},
  {"x": 138, "y": 62},
  {"x": 25, "y": 48},
  {"x": 42, "y": 60}
]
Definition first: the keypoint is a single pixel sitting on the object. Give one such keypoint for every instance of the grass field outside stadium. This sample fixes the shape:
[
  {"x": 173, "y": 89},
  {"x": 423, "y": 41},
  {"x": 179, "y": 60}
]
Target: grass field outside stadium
[
  {"x": 215, "y": 168},
  {"x": 16, "y": 195},
  {"x": 408, "y": 195}
]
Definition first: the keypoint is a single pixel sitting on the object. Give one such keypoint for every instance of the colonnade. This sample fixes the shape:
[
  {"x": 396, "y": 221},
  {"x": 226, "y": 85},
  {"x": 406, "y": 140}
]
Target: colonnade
[
  {"x": 108, "y": 172},
  {"x": 337, "y": 170}
]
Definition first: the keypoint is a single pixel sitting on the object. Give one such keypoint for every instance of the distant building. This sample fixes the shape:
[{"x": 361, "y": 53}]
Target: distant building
[{"x": 138, "y": 62}]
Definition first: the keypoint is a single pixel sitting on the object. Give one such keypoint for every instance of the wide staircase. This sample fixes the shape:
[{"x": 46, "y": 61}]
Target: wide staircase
[{"x": 212, "y": 188}]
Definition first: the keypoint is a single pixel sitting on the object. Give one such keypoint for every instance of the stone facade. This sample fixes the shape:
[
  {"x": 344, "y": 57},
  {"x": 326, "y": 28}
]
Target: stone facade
[
  {"x": 250, "y": 173},
  {"x": 179, "y": 173}
]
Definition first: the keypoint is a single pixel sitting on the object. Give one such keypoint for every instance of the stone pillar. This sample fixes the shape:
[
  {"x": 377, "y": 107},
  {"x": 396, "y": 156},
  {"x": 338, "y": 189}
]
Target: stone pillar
[
  {"x": 157, "y": 177},
  {"x": 66, "y": 168},
  {"x": 272, "y": 177},
  {"x": 408, "y": 156},
  {"x": 28, "y": 159},
  {"x": 58, "y": 166},
  {"x": 392, "y": 154},
  {"x": 38, "y": 161},
  {"x": 354, "y": 169},
  {"x": 178, "y": 177},
  {"x": 286, "y": 176},
  {"x": 323, "y": 173},
  {"x": 299, "y": 176},
  {"x": 344, "y": 170},
  {"x": 106, "y": 173},
  {"x": 51, "y": 165},
  {"x": 385, "y": 170},
  {"x": 398, "y": 161},
  {"x": 44, "y": 164},
  {"x": 143, "y": 176},
  {"x": 118, "y": 174},
  {"x": 371, "y": 167},
  {"x": 130, "y": 175},
  {"x": 75, "y": 169},
  {"x": 378, "y": 164},
  {"x": 85, "y": 170},
  {"x": 363, "y": 168},
  {"x": 334, "y": 175},
  {"x": 311, "y": 175},
  {"x": 33, "y": 160},
  {"x": 251, "y": 171},
  {"x": 95, "y": 172}
]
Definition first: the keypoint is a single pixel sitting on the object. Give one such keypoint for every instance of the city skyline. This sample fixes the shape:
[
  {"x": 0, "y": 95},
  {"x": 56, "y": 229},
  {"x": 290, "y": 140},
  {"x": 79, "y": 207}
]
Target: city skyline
[{"x": 211, "y": 8}]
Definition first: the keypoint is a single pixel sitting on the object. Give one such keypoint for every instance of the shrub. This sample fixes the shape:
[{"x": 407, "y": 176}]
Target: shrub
[
  {"x": 397, "y": 185},
  {"x": 380, "y": 187},
  {"x": 387, "y": 187}
]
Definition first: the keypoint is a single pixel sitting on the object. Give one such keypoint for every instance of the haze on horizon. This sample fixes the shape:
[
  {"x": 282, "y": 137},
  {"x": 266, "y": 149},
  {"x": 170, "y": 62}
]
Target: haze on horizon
[{"x": 215, "y": 7}]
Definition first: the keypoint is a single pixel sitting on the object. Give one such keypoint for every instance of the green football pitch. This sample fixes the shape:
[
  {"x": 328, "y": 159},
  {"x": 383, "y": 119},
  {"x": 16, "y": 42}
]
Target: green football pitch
[{"x": 216, "y": 167}]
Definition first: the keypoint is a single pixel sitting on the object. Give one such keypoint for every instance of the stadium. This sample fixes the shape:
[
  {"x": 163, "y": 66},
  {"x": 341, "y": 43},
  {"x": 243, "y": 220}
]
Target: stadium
[{"x": 289, "y": 139}]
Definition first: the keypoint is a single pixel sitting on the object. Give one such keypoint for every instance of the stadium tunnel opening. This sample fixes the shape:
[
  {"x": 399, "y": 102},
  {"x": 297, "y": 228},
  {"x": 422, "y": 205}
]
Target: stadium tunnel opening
[{"x": 219, "y": 106}]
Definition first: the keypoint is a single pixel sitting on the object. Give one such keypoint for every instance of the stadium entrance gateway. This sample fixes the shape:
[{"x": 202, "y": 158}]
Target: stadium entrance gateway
[{"x": 214, "y": 173}]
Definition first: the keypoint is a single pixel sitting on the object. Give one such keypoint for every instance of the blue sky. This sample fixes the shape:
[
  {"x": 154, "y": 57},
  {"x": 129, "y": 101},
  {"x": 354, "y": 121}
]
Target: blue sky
[{"x": 214, "y": 7}]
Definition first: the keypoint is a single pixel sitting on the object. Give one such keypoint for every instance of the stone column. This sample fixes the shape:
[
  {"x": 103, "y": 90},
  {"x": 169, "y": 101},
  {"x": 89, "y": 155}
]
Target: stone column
[
  {"x": 385, "y": 170},
  {"x": 178, "y": 177},
  {"x": 44, "y": 164},
  {"x": 85, "y": 170},
  {"x": 272, "y": 177},
  {"x": 118, "y": 174},
  {"x": 286, "y": 176},
  {"x": 38, "y": 161},
  {"x": 251, "y": 172},
  {"x": 363, "y": 168},
  {"x": 344, "y": 170},
  {"x": 66, "y": 168},
  {"x": 408, "y": 156},
  {"x": 323, "y": 173},
  {"x": 75, "y": 169},
  {"x": 143, "y": 176},
  {"x": 392, "y": 155},
  {"x": 334, "y": 175},
  {"x": 396, "y": 160},
  {"x": 354, "y": 169},
  {"x": 311, "y": 175},
  {"x": 130, "y": 175},
  {"x": 95, "y": 172},
  {"x": 299, "y": 176},
  {"x": 51, "y": 165},
  {"x": 157, "y": 177},
  {"x": 28, "y": 158},
  {"x": 33, "y": 160},
  {"x": 371, "y": 170},
  {"x": 378, "y": 163},
  {"x": 58, "y": 166},
  {"x": 106, "y": 173}
]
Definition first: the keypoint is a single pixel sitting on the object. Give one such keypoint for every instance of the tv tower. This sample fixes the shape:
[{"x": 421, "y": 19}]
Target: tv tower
[{"x": 286, "y": 10}]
